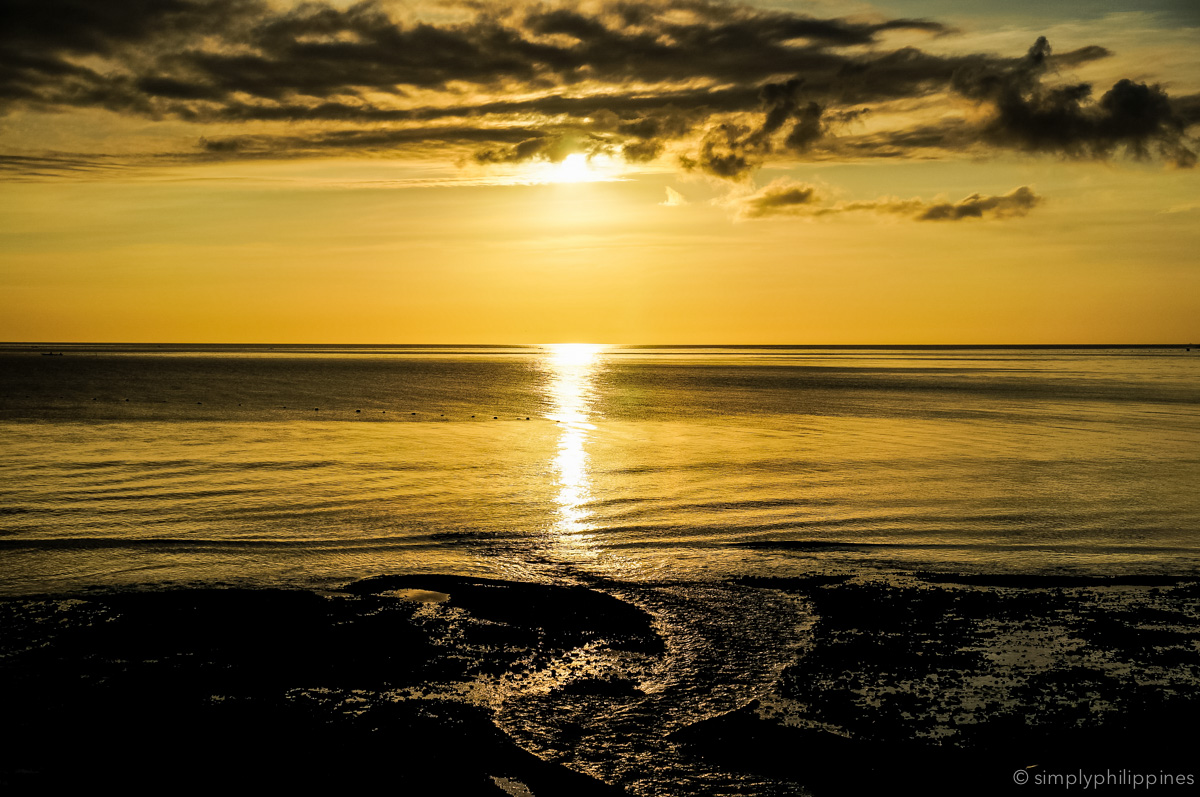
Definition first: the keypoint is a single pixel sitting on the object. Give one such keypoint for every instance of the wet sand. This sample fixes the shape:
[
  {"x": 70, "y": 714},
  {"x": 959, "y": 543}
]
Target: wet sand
[{"x": 945, "y": 684}]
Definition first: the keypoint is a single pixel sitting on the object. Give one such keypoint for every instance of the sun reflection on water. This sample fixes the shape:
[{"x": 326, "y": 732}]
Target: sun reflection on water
[{"x": 570, "y": 391}]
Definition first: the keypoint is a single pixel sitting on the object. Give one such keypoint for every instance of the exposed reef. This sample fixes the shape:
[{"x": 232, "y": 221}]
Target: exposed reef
[
  {"x": 468, "y": 686},
  {"x": 235, "y": 688},
  {"x": 951, "y": 684}
]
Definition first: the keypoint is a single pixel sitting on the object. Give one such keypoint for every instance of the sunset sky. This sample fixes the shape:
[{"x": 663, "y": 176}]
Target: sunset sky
[{"x": 684, "y": 171}]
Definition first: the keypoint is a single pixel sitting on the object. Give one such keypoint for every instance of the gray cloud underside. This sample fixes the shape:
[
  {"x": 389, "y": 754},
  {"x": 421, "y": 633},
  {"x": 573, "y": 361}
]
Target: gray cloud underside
[
  {"x": 786, "y": 198},
  {"x": 35, "y": 168},
  {"x": 731, "y": 84}
]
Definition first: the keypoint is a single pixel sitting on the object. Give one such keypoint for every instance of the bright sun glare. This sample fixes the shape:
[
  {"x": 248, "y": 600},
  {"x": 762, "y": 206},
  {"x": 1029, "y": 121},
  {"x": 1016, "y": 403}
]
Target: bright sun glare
[
  {"x": 572, "y": 368},
  {"x": 577, "y": 354},
  {"x": 574, "y": 168}
]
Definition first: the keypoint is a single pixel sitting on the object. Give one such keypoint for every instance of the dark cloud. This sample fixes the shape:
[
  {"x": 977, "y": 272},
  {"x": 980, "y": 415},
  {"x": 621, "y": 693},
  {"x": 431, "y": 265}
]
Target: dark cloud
[
  {"x": 1187, "y": 108},
  {"x": 782, "y": 101},
  {"x": 789, "y": 198},
  {"x": 733, "y": 152},
  {"x": 1065, "y": 119},
  {"x": 523, "y": 142},
  {"x": 782, "y": 197},
  {"x": 929, "y": 140},
  {"x": 724, "y": 153},
  {"x": 726, "y": 84},
  {"x": 85, "y": 27},
  {"x": 187, "y": 49},
  {"x": 808, "y": 128},
  {"x": 24, "y": 167},
  {"x": 1074, "y": 58},
  {"x": 1017, "y": 202}
]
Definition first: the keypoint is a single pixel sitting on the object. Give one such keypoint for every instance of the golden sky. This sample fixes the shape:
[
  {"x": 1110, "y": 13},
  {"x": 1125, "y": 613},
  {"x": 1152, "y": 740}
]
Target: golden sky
[{"x": 683, "y": 171}]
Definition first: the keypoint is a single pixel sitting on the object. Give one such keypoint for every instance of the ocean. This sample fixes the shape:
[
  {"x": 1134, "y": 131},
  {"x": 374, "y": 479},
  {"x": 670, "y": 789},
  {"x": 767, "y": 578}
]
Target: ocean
[
  {"x": 684, "y": 481},
  {"x": 309, "y": 465}
]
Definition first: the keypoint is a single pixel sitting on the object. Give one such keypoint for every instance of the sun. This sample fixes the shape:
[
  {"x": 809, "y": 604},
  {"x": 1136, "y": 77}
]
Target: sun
[
  {"x": 576, "y": 167},
  {"x": 573, "y": 169}
]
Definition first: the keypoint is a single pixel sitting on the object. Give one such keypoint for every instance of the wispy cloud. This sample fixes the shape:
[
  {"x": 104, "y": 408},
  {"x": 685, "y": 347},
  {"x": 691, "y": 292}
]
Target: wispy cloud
[
  {"x": 674, "y": 198},
  {"x": 790, "y": 198}
]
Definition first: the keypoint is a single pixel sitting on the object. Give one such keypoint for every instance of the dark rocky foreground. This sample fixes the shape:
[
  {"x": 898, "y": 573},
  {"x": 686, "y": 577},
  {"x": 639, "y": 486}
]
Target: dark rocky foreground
[
  {"x": 949, "y": 685},
  {"x": 233, "y": 688},
  {"x": 944, "y": 685}
]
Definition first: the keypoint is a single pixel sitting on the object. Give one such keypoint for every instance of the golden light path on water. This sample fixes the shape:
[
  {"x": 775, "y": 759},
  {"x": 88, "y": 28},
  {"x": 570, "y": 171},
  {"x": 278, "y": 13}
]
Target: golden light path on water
[{"x": 572, "y": 369}]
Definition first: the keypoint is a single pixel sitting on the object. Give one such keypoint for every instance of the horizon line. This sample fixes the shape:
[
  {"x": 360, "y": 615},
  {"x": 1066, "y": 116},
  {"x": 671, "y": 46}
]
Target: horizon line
[{"x": 270, "y": 345}]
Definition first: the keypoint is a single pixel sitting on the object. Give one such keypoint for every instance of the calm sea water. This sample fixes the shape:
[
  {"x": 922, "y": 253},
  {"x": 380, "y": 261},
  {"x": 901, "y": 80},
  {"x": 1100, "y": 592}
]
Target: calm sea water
[{"x": 312, "y": 466}]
